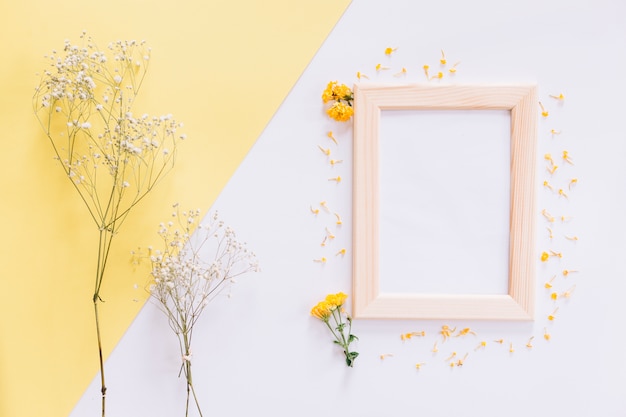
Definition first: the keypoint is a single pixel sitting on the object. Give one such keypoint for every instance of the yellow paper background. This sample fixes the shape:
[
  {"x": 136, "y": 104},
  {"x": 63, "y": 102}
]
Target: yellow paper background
[{"x": 222, "y": 68}]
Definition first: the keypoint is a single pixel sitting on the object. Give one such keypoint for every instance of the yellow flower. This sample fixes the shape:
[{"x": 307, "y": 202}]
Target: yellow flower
[
  {"x": 335, "y": 92},
  {"x": 343, "y": 92},
  {"x": 330, "y": 308},
  {"x": 328, "y": 94},
  {"x": 340, "y": 112},
  {"x": 544, "y": 256},
  {"x": 322, "y": 310},
  {"x": 336, "y": 300}
]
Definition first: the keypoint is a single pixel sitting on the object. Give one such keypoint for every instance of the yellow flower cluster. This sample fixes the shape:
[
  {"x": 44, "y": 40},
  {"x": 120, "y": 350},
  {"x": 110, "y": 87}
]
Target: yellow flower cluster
[
  {"x": 342, "y": 96},
  {"x": 330, "y": 308},
  {"x": 324, "y": 309},
  {"x": 340, "y": 112},
  {"x": 321, "y": 311},
  {"x": 335, "y": 92},
  {"x": 336, "y": 300}
]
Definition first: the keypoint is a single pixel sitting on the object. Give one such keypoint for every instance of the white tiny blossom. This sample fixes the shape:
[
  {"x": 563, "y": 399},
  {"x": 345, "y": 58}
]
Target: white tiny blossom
[
  {"x": 85, "y": 125},
  {"x": 117, "y": 79},
  {"x": 90, "y": 82}
]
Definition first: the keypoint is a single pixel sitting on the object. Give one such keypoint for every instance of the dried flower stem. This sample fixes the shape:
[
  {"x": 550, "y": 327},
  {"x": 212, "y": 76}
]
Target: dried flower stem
[
  {"x": 186, "y": 367},
  {"x": 112, "y": 158},
  {"x": 198, "y": 261}
]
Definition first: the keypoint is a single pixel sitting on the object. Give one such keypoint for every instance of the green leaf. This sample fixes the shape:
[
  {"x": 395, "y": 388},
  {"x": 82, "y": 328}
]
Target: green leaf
[
  {"x": 352, "y": 338},
  {"x": 350, "y": 357}
]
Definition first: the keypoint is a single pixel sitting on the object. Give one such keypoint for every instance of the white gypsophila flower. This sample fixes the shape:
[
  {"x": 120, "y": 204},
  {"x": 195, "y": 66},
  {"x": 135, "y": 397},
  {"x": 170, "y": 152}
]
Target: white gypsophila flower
[
  {"x": 196, "y": 280},
  {"x": 82, "y": 93}
]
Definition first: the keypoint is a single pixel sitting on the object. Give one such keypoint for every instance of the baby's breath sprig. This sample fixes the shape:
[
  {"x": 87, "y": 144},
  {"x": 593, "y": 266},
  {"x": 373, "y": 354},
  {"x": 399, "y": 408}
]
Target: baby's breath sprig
[
  {"x": 197, "y": 262},
  {"x": 331, "y": 308},
  {"x": 113, "y": 158}
]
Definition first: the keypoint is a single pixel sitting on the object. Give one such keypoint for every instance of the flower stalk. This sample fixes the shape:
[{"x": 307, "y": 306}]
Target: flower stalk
[
  {"x": 113, "y": 159},
  {"x": 198, "y": 262},
  {"x": 331, "y": 309},
  {"x": 186, "y": 368}
]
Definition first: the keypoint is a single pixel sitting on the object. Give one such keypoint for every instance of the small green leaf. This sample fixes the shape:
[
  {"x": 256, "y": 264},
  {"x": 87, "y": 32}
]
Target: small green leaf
[{"x": 350, "y": 357}]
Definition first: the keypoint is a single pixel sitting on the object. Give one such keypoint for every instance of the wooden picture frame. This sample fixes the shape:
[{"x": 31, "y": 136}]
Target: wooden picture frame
[{"x": 369, "y": 101}]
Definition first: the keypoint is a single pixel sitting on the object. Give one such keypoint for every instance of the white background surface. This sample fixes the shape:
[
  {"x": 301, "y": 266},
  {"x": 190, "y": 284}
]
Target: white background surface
[
  {"x": 444, "y": 201},
  {"x": 260, "y": 353}
]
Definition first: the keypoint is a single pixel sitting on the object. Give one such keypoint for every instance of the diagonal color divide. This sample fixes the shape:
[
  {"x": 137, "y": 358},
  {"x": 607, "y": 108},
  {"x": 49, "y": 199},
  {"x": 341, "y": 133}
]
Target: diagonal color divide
[{"x": 221, "y": 67}]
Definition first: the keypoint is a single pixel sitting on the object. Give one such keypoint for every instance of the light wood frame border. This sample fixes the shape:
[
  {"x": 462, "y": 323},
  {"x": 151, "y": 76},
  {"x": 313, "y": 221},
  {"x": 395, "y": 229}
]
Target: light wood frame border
[{"x": 369, "y": 101}]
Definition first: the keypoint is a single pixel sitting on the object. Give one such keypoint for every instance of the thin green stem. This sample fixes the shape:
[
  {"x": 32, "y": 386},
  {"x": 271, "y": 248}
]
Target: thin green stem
[
  {"x": 103, "y": 388},
  {"x": 104, "y": 246},
  {"x": 195, "y": 397},
  {"x": 333, "y": 332},
  {"x": 340, "y": 336},
  {"x": 340, "y": 325},
  {"x": 187, "y": 366}
]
